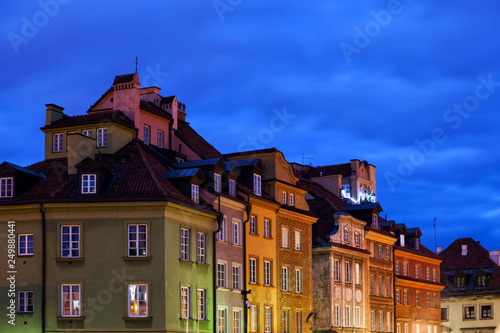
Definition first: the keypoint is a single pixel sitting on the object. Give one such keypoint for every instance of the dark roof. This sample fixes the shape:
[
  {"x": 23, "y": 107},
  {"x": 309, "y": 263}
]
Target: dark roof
[
  {"x": 325, "y": 225},
  {"x": 197, "y": 163},
  {"x": 319, "y": 191},
  {"x": 477, "y": 256},
  {"x": 195, "y": 142},
  {"x": 154, "y": 109},
  {"x": 180, "y": 173},
  {"x": 123, "y": 78},
  {"x": 343, "y": 169},
  {"x": 168, "y": 99},
  {"x": 20, "y": 168},
  {"x": 367, "y": 206},
  {"x": 93, "y": 117},
  {"x": 241, "y": 163}
]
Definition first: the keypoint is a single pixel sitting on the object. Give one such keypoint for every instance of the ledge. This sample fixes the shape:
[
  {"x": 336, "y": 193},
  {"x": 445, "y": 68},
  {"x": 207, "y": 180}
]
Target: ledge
[
  {"x": 186, "y": 261},
  {"x": 70, "y": 259},
  {"x": 202, "y": 264},
  {"x": 137, "y": 258},
  {"x": 70, "y": 318},
  {"x": 137, "y": 318}
]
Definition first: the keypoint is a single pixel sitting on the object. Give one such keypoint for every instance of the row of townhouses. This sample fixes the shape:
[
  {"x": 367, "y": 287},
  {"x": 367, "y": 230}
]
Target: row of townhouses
[{"x": 134, "y": 223}]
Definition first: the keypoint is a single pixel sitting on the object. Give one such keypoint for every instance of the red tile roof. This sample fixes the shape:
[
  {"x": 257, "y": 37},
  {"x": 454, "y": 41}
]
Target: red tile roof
[
  {"x": 477, "y": 256},
  {"x": 319, "y": 191},
  {"x": 194, "y": 141},
  {"x": 152, "y": 108},
  {"x": 123, "y": 78}
]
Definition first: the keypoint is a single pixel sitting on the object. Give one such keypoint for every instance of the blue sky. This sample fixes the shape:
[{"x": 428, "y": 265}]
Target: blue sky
[{"x": 413, "y": 87}]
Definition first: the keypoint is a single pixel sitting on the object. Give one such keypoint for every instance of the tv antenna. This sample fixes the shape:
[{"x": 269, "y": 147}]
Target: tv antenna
[
  {"x": 136, "y": 63},
  {"x": 306, "y": 158},
  {"x": 435, "y": 242}
]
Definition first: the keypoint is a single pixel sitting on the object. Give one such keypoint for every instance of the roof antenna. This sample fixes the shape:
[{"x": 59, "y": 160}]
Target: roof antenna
[
  {"x": 306, "y": 158},
  {"x": 136, "y": 63},
  {"x": 435, "y": 242}
]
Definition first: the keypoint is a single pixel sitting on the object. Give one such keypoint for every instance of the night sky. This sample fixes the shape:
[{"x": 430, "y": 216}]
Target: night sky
[{"x": 413, "y": 87}]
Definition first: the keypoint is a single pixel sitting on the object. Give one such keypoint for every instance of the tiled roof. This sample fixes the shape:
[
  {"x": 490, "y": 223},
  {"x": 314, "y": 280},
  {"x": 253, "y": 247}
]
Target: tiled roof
[
  {"x": 197, "y": 163},
  {"x": 369, "y": 206},
  {"x": 152, "y": 108},
  {"x": 325, "y": 225},
  {"x": 319, "y": 191},
  {"x": 194, "y": 141},
  {"x": 343, "y": 169},
  {"x": 180, "y": 173},
  {"x": 241, "y": 163},
  {"x": 423, "y": 251},
  {"x": 20, "y": 168},
  {"x": 123, "y": 78},
  {"x": 477, "y": 256},
  {"x": 94, "y": 117}
]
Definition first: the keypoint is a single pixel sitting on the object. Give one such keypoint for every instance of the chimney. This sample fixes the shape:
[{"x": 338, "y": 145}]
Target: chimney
[
  {"x": 127, "y": 95},
  {"x": 439, "y": 249},
  {"x": 53, "y": 113},
  {"x": 79, "y": 148}
]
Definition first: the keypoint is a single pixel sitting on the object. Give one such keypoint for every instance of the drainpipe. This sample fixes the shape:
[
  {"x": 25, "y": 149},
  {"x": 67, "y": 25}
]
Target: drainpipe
[
  {"x": 394, "y": 288},
  {"x": 44, "y": 246},
  {"x": 245, "y": 295},
  {"x": 214, "y": 266}
]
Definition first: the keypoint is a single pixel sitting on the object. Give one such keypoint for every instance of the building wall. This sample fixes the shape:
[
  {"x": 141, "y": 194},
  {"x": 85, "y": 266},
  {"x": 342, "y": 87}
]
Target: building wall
[{"x": 455, "y": 308}]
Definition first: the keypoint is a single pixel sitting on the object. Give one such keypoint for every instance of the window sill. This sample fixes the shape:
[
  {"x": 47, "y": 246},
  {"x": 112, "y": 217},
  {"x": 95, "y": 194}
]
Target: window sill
[
  {"x": 266, "y": 237},
  {"x": 187, "y": 319},
  {"x": 137, "y": 258},
  {"x": 203, "y": 320},
  {"x": 204, "y": 264},
  {"x": 268, "y": 286},
  {"x": 25, "y": 312},
  {"x": 237, "y": 246},
  {"x": 137, "y": 318},
  {"x": 70, "y": 318},
  {"x": 186, "y": 261},
  {"x": 254, "y": 283},
  {"x": 70, "y": 259},
  {"x": 223, "y": 241},
  {"x": 222, "y": 288},
  {"x": 25, "y": 255},
  {"x": 253, "y": 234}
]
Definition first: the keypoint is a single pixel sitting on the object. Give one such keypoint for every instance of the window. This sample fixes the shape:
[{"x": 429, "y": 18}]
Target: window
[
  {"x": 25, "y": 302},
  {"x": 232, "y": 188},
  {"x": 398, "y": 296},
  {"x": 434, "y": 301},
  {"x": 185, "y": 244},
  {"x": 137, "y": 240},
  {"x": 357, "y": 239},
  {"x": 284, "y": 197},
  {"x": 202, "y": 304},
  {"x": 137, "y": 300},
  {"x": 406, "y": 328},
  {"x": 253, "y": 270},
  {"x": 417, "y": 298},
  {"x": 292, "y": 199},
  {"x": 481, "y": 281},
  {"x": 70, "y": 300},
  {"x": 336, "y": 270},
  {"x": 285, "y": 321},
  {"x": 469, "y": 312},
  {"x": 388, "y": 253},
  {"x": 201, "y": 247},
  {"x": 405, "y": 269},
  {"x": 418, "y": 328},
  {"x": 298, "y": 281},
  {"x": 217, "y": 182},
  {"x": 236, "y": 277},
  {"x": 417, "y": 272},
  {"x": 357, "y": 273},
  {"x": 428, "y": 274},
  {"x": 357, "y": 317},
  {"x": 195, "y": 193},
  {"x": 374, "y": 221},
  {"x": 405, "y": 297},
  {"x": 459, "y": 281},
  {"x": 373, "y": 287},
  {"x": 297, "y": 241},
  {"x": 267, "y": 228},
  {"x": 147, "y": 134},
  {"x": 486, "y": 312},
  {"x": 284, "y": 237},
  {"x": 381, "y": 321},
  {"x": 398, "y": 328},
  {"x": 102, "y": 137},
  {"x": 88, "y": 183},
  {"x": 185, "y": 302},
  {"x": 87, "y": 133},
  {"x": 389, "y": 287},
  {"x": 348, "y": 272},
  {"x": 464, "y": 250},
  {"x": 402, "y": 240},
  {"x": 70, "y": 241},
  {"x": 373, "y": 321},
  {"x": 236, "y": 321},
  {"x": 25, "y": 245},
  {"x": 444, "y": 314},
  {"x": 381, "y": 286},
  {"x": 222, "y": 230},
  {"x": 285, "y": 284},
  {"x": 254, "y": 318},
  {"x": 159, "y": 139},
  {"x": 253, "y": 225},
  {"x": 348, "y": 322},
  {"x": 221, "y": 320},
  {"x": 57, "y": 142},
  {"x": 256, "y": 184},
  {"x": 397, "y": 268},
  {"x": 6, "y": 187},
  {"x": 221, "y": 275},
  {"x": 372, "y": 250},
  {"x": 268, "y": 312},
  {"x": 389, "y": 322},
  {"x": 428, "y": 300},
  {"x": 338, "y": 315},
  {"x": 298, "y": 322},
  {"x": 417, "y": 244},
  {"x": 267, "y": 273},
  {"x": 380, "y": 251},
  {"x": 346, "y": 235},
  {"x": 236, "y": 233}
]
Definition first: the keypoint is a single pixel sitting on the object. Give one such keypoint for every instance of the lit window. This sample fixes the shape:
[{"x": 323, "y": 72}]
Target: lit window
[
  {"x": 374, "y": 221},
  {"x": 285, "y": 321},
  {"x": 102, "y": 137},
  {"x": 297, "y": 241},
  {"x": 398, "y": 271},
  {"x": 348, "y": 316},
  {"x": 236, "y": 321},
  {"x": 25, "y": 302},
  {"x": 469, "y": 312},
  {"x": 6, "y": 187},
  {"x": 284, "y": 197},
  {"x": 373, "y": 322},
  {"x": 298, "y": 281},
  {"x": 256, "y": 184},
  {"x": 236, "y": 233},
  {"x": 284, "y": 237},
  {"x": 285, "y": 286},
  {"x": 137, "y": 300},
  {"x": 217, "y": 182},
  {"x": 253, "y": 270},
  {"x": 464, "y": 250},
  {"x": 253, "y": 318},
  {"x": 381, "y": 321},
  {"x": 357, "y": 273},
  {"x": 398, "y": 328},
  {"x": 201, "y": 248},
  {"x": 267, "y": 273},
  {"x": 417, "y": 298},
  {"x": 70, "y": 300},
  {"x": 267, "y": 228},
  {"x": 388, "y": 253},
  {"x": 202, "y": 304},
  {"x": 405, "y": 269},
  {"x": 402, "y": 240},
  {"x": 389, "y": 322},
  {"x": 195, "y": 193},
  {"x": 137, "y": 240},
  {"x": 147, "y": 134},
  {"x": 236, "y": 277},
  {"x": 222, "y": 231},
  {"x": 57, "y": 143},
  {"x": 88, "y": 183},
  {"x": 25, "y": 244},
  {"x": 159, "y": 139},
  {"x": 185, "y": 302},
  {"x": 346, "y": 191},
  {"x": 406, "y": 328},
  {"x": 336, "y": 270},
  {"x": 434, "y": 275},
  {"x": 221, "y": 275},
  {"x": 348, "y": 272},
  {"x": 481, "y": 281},
  {"x": 292, "y": 199},
  {"x": 417, "y": 272},
  {"x": 185, "y": 244},
  {"x": 372, "y": 250},
  {"x": 70, "y": 241},
  {"x": 221, "y": 320},
  {"x": 87, "y": 133},
  {"x": 379, "y": 248},
  {"x": 232, "y": 188},
  {"x": 268, "y": 313},
  {"x": 253, "y": 225},
  {"x": 428, "y": 274}
]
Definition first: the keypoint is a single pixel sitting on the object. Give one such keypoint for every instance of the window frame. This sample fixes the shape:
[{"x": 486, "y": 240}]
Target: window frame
[
  {"x": 482, "y": 317},
  {"x": 6, "y": 187},
  {"x": 146, "y": 134},
  {"x": 217, "y": 182},
  {"x": 236, "y": 233},
  {"x": 201, "y": 247},
  {"x": 26, "y": 301},
  {"x": 252, "y": 271},
  {"x": 71, "y": 300},
  {"x": 267, "y": 228},
  {"x": 71, "y": 242},
  {"x": 357, "y": 239},
  {"x": 159, "y": 138},
  {"x": 298, "y": 237},
  {"x": 102, "y": 137},
  {"x": 88, "y": 133},
  {"x": 57, "y": 142},
  {"x": 267, "y": 273},
  {"x": 268, "y": 319},
  {"x": 292, "y": 200},
  {"x": 222, "y": 274},
  {"x": 254, "y": 318},
  {"x": 146, "y": 299},
  {"x": 469, "y": 316},
  {"x": 138, "y": 240},
  {"x": 232, "y": 187},
  {"x": 347, "y": 271},
  {"x": 221, "y": 235},
  {"x": 201, "y": 303},
  {"x": 257, "y": 184},
  {"x": 336, "y": 270},
  {"x": 285, "y": 278},
  {"x": 285, "y": 237},
  {"x": 185, "y": 240},
  {"x": 26, "y": 243},
  {"x": 86, "y": 183},
  {"x": 195, "y": 193},
  {"x": 185, "y": 294},
  {"x": 253, "y": 225},
  {"x": 298, "y": 281},
  {"x": 236, "y": 276}
]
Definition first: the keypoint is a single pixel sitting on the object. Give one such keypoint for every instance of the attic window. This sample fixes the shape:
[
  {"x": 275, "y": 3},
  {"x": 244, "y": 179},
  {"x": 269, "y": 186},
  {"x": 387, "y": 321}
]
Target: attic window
[
  {"x": 464, "y": 250},
  {"x": 232, "y": 188},
  {"x": 6, "y": 187},
  {"x": 417, "y": 244},
  {"x": 292, "y": 199},
  {"x": 217, "y": 182},
  {"x": 195, "y": 193},
  {"x": 374, "y": 221},
  {"x": 402, "y": 240},
  {"x": 481, "y": 280},
  {"x": 88, "y": 184},
  {"x": 257, "y": 184}
]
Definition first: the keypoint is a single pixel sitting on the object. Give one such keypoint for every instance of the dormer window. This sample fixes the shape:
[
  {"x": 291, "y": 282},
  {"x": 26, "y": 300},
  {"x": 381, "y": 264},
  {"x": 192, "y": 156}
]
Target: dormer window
[
  {"x": 284, "y": 197},
  {"x": 374, "y": 221},
  {"x": 87, "y": 133},
  {"x": 195, "y": 193},
  {"x": 217, "y": 182},
  {"x": 292, "y": 199},
  {"x": 88, "y": 184},
  {"x": 6, "y": 187},
  {"x": 102, "y": 137},
  {"x": 147, "y": 134},
  {"x": 481, "y": 280},
  {"x": 257, "y": 184},
  {"x": 57, "y": 142},
  {"x": 232, "y": 188},
  {"x": 402, "y": 240},
  {"x": 417, "y": 243},
  {"x": 459, "y": 281}
]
